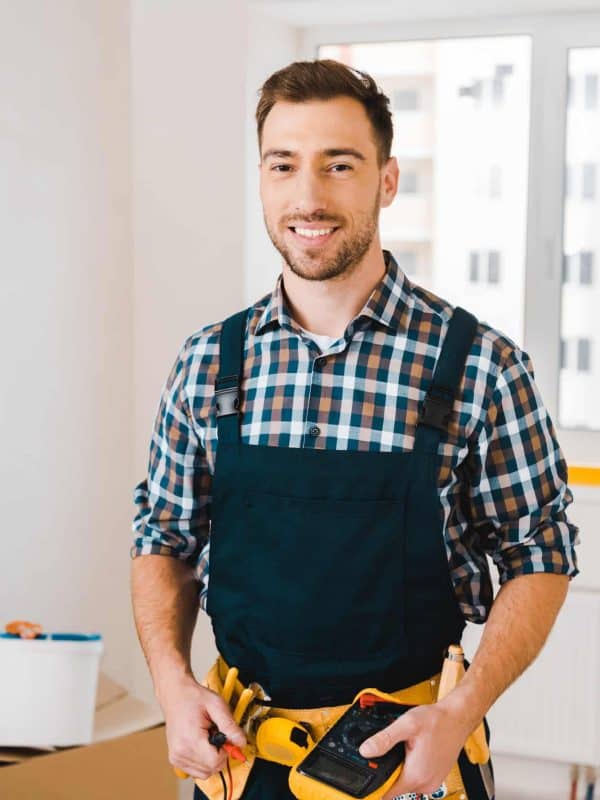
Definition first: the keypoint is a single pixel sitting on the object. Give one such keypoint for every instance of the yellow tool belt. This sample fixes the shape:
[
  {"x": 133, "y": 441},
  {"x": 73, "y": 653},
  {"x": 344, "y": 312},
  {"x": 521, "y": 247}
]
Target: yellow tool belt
[{"x": 318, "y": 719}]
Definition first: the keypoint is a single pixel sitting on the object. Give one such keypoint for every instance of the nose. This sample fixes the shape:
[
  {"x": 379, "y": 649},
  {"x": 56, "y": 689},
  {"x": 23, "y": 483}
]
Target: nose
[{"x": 310, "y": 193}]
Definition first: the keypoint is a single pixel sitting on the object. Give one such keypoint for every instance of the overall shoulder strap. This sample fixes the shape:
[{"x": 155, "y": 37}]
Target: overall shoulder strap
[
  {"x": 227, "y": 384},
  {"x": 435, "y": 409}
]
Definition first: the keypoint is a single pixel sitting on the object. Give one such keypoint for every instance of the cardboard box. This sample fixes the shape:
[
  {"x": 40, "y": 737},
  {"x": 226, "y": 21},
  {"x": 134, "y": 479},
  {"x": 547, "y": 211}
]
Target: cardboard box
[{"x": 128, "y": 758}]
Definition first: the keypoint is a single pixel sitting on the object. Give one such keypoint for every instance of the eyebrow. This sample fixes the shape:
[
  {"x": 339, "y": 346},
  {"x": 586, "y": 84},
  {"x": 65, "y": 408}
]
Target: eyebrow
[{"x": 331, "y": 151}]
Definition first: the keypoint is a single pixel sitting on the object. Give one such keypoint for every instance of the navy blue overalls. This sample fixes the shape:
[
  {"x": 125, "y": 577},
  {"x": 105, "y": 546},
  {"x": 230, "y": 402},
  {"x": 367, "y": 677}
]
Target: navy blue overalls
[{"x": 328, "y": 568}]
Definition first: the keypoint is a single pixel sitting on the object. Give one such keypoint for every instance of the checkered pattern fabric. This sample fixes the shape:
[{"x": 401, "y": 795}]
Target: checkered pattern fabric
[{"x": 503, "y": 481}]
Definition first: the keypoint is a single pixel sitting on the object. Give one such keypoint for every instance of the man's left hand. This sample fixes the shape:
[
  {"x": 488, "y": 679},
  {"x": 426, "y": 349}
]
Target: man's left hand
[{"x": 434, "y": 736}]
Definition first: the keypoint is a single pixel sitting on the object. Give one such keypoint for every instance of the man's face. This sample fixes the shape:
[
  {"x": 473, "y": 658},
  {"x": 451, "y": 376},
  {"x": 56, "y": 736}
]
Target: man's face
[{"x": 304, "y": 187}]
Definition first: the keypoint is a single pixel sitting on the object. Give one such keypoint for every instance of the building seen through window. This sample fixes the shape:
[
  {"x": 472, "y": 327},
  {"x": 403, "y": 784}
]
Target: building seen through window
[
  {"x": 579, "y": 380},
  {"x": 461, "y": 135}
]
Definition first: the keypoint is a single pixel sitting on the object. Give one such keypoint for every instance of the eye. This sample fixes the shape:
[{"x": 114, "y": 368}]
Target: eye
[
  {"x": 346, "y": 166},
  {"x": 276, "y": 167}
]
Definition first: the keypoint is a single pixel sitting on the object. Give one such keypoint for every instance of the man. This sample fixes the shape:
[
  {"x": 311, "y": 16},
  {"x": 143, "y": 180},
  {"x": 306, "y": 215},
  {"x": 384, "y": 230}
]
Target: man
[{"x": 374, "y": 444}]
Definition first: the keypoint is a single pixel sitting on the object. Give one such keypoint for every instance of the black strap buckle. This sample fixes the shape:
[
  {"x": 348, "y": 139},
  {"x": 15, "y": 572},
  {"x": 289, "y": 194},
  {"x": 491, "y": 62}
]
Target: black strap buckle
[
  {"x": 228, "y": 396},
  {"x": 436, "y": 407}
]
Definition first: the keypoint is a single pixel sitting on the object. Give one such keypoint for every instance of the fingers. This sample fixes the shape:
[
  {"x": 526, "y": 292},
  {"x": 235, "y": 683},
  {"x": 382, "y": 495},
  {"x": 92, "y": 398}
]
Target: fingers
[
  {"x": 198, "y": 758},
  {"x": 440, "y": 731},
  {"x": 418, "y": 775},
  {"x": 415, "y": 780},
  {"x": 190, "y": 717},
  {"x": 220, "y": 713},
  {"x": 401, "y": 730}
]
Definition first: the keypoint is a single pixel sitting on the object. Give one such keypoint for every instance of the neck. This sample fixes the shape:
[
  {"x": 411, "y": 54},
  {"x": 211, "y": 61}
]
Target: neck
[{"x": 326, "y": 307}]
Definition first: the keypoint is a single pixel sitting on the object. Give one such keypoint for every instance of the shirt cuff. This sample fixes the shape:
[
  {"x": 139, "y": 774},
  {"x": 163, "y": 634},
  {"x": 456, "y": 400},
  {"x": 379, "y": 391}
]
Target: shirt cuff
[
  {"x": 185, "y": 547},
  {"x": 550, "y": 550}
]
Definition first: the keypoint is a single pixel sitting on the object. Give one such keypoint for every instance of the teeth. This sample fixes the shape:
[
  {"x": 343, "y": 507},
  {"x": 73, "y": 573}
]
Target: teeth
[{"x": 308, "y": 232}]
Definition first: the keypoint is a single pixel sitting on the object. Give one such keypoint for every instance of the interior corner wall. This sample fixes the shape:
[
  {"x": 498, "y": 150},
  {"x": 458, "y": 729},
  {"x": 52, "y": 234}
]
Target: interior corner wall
[
  {"x": 188, "y": 60},
  {"x": 272, "y": 44},
  {"x": 65, "y": 332}
]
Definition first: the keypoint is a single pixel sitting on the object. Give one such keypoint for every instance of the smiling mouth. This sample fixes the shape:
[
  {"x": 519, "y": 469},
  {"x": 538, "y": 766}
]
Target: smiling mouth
[{"x": 313, "y": 237}]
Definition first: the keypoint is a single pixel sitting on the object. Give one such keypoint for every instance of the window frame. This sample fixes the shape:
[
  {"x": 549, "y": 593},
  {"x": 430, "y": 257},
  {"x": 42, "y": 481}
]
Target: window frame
[{"x": 552, "y": 36}]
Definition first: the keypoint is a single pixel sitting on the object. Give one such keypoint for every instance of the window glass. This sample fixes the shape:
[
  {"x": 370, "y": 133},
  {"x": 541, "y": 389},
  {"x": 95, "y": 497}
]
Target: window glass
[
  {"x": 405, "y": 99},
  {"x": 494, "y": 266},
  {"x": 585, "y": 268},
  {"x": 473, "y": 266},
  {"x": 579, "y": 380},
  {"x": 461, "y": 128},
  {"x": 583, "y": 355},
  {"x": 591, "y": 91},
  {"x": 407, "y": 183}
]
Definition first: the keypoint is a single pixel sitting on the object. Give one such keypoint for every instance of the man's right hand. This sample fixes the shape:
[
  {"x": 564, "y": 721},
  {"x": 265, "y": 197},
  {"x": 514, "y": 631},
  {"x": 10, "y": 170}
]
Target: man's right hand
[{"x": 191, "y": 710}]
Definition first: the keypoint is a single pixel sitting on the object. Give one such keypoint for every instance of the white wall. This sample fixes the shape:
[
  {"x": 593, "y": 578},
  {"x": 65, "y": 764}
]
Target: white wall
[
  {"x": 107, "y": 263},
  {"x": 272, "y": 44},
  {"x": 188, "y": 143},
  {"x": 65, "y": 317}
]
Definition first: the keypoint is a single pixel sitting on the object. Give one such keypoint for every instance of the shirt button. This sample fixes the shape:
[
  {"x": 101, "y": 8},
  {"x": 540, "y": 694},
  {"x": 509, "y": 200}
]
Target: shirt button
[
  {"x": 320, "y": 362},
  {"x": 314, "y": 431}
]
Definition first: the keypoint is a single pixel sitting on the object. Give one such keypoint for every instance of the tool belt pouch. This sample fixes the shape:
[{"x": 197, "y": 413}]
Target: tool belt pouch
[{"x": 213, "y": 786}]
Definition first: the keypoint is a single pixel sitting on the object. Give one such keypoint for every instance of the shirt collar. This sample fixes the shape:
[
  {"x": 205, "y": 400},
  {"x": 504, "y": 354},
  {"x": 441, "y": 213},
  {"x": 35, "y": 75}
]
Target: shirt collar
[{"x": 388, "y": 304}]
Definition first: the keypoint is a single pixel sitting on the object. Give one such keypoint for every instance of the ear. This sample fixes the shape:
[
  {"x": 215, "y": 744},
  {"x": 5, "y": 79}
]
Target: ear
[{"x": 389, "y": 181}]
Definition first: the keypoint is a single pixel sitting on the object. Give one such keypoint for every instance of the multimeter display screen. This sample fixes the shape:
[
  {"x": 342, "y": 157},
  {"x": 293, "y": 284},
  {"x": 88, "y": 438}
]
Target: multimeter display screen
[
  {"x": 336, "y": 759},
  {"x": 337, "y": 774}
]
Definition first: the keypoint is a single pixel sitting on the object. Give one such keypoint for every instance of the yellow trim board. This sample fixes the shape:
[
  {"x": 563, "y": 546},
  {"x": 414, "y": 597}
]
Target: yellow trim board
[{"x": 584, "y": 476}]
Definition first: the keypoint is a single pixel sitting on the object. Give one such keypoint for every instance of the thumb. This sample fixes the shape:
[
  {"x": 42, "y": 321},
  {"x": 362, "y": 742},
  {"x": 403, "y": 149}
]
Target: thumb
[
  {"x": 399, "y": 731},
  {"x": 221, "y": 715}
]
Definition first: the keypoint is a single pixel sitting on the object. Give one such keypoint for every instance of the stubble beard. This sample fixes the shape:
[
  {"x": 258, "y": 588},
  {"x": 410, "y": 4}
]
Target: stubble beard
[{"x": 347, "y": 255}]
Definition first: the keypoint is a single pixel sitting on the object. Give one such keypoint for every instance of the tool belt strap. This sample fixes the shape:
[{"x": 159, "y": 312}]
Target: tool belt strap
[{"x": 321, "y": 719}]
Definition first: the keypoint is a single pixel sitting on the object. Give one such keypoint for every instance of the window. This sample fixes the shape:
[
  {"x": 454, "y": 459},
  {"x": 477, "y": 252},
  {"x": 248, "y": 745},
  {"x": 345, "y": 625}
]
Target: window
[
  {"x": 471, "y": 139},
  {"x": 570, "y": 91},
  {"x": 463, "y": 135},
  {"x": 578, "y": 318},
  {"x": 407, "y": 260},
  {"x": 583, "y": 355},
  {"x": 586, "y": 265},
  {"x": 582, "y": 347},
  {"x": 407, "y": 182},
  {"x": 497, "y": 90},
  {"x": 473, "y": 267},
  {"x": 494, "y": 266},
  {"x": 474, "y": 90},
  {"x": 591, "y": 92},
  {"x": 405, "y": 100},
  {"x": 588, "y": 183},
  {"x": 563, "y": 354},
  {"x": 568, "y": 181}
]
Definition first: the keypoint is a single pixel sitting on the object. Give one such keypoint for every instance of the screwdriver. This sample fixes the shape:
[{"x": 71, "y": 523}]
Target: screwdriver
[{"x": 218, "y": 739}]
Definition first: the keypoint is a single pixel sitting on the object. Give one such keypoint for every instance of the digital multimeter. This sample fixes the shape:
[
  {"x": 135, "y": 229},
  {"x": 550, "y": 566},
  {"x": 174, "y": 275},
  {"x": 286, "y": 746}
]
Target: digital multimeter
[{"x": 334, "y": 769}]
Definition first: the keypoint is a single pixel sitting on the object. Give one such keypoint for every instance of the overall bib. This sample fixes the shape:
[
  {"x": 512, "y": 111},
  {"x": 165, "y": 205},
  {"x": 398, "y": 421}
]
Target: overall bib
[{"x": 328, "y": 568}]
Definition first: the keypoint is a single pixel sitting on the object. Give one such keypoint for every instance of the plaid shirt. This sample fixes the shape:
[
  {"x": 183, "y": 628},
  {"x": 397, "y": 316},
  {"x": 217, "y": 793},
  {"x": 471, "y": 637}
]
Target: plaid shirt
[{"x": 503, "y": 481}]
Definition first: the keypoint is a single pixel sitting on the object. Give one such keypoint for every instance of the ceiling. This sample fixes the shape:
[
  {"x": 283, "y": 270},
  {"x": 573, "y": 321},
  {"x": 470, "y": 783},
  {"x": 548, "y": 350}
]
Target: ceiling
[{"x": 323, "y": 12}]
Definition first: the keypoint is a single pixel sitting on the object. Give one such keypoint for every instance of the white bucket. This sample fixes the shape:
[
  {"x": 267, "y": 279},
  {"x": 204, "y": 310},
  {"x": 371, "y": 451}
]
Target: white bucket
[{"x": 48, "y": 689}]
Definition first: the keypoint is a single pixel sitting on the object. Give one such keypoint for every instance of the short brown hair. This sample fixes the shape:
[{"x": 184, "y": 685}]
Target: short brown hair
[{"x": 324, "y": 79}]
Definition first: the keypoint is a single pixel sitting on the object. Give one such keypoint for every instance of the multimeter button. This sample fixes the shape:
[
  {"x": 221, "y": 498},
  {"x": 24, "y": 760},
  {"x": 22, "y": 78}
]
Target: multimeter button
[
  {"x": 357, "y": 734},
  {"x": 373, "y": 764}
]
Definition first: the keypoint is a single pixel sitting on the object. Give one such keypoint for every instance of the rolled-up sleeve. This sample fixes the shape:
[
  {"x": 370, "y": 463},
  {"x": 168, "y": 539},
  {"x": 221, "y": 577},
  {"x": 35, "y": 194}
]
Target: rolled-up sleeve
[
  {"x": 173, "y": 500},
  {"x": 517, "y": 493}
]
